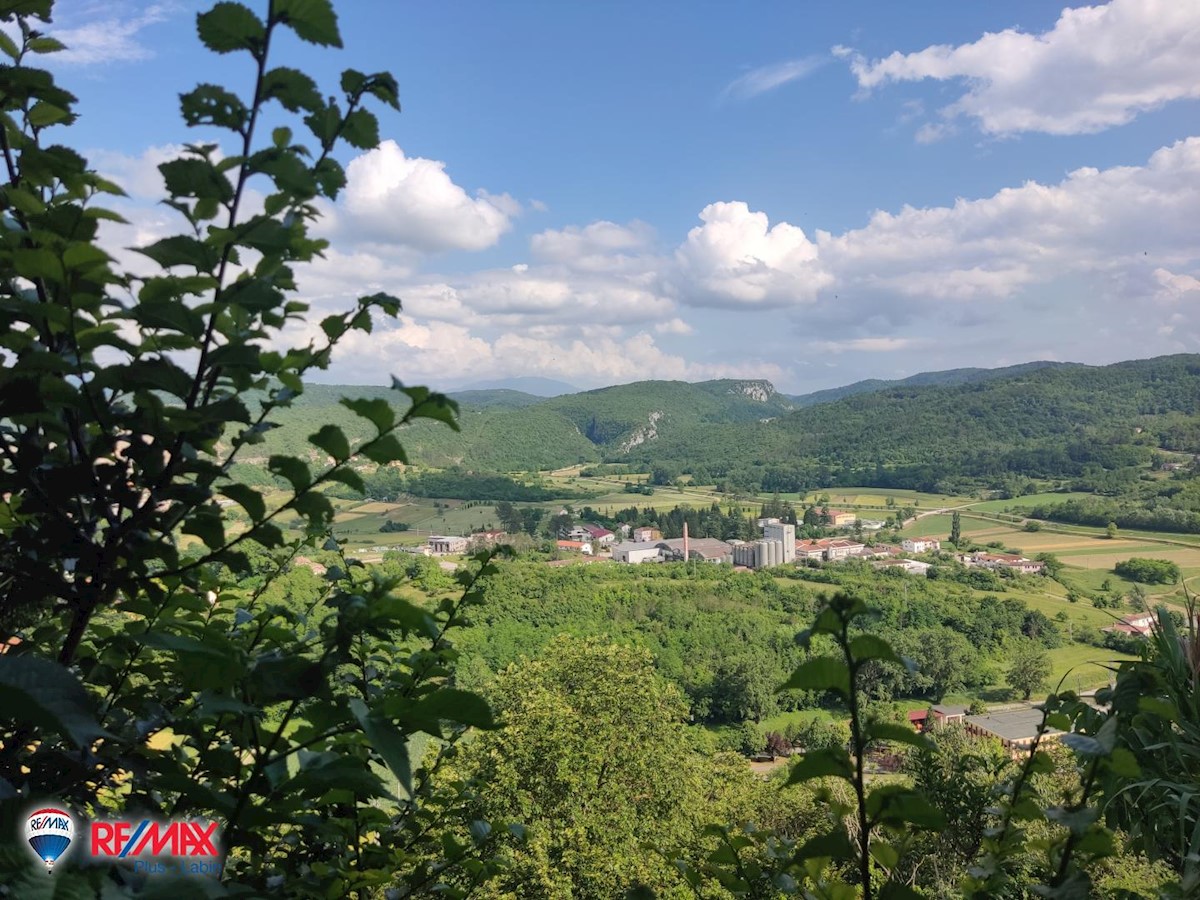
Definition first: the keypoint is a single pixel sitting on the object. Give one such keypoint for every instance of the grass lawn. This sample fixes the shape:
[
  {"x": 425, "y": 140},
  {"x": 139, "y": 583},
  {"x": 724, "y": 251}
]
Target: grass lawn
[
  {"x": 780, "y": 721},
  {"x": 1082, "y": 666}
]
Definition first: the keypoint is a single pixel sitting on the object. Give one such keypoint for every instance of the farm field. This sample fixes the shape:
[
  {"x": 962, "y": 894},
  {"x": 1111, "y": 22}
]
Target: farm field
[
  {"x": 938, "y": 526},
  {"x": 1016, "y": 504},
  {"x": 868, "y": 496}
]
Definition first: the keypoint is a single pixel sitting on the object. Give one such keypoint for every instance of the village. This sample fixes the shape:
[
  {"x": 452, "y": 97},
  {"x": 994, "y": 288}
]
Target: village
[{"x": 778, "y": 546}]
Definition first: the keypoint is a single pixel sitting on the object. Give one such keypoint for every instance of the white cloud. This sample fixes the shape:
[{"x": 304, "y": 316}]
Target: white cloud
[
  {"x": 866, "y": 345},
  {"x": 137, "y": 175},
  {"x": 674, "y": 326},
  {"x": 598, "y": 247},
  {"x": 106, "y": 33},
  {"x": 1095, "y": 224},
  {"x": 411, "y": 201},
  {"x": 1098, "y": 67},
  {"x": 439, "y": 351},
  {"x": 768, "y": 78},
  {"x": 736, "y": 258},
  {"x": 1174, "y": 287}
]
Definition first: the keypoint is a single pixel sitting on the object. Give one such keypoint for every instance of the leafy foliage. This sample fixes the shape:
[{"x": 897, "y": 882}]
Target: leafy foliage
[{"x": 171, "y": 663}]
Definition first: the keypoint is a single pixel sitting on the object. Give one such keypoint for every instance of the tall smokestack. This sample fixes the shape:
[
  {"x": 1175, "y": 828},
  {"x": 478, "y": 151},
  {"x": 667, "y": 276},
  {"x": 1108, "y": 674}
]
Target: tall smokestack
[{"x": 685, "y": 543}]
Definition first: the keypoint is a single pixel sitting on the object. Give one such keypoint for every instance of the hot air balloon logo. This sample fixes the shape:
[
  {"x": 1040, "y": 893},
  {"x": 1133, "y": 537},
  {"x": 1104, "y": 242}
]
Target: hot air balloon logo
[{"x": 49, "y": 832}]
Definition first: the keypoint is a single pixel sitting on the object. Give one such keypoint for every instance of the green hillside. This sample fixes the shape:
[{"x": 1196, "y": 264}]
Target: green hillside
[
  {"x": 921, "y": 379},
  {"x": 1039, "y": 421}
]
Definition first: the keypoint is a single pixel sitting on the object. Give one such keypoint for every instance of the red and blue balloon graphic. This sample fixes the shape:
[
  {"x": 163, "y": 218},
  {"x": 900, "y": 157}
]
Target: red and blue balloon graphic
[{"x": 49, "y": 832}]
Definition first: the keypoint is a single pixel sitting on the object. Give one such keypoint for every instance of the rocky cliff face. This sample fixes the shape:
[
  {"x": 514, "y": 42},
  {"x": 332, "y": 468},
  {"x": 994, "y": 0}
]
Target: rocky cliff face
[{"x": 762, "y": 391}]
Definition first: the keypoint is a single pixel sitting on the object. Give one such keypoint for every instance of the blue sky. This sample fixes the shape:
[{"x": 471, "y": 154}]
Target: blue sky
[{"x": 810, "y": 193}]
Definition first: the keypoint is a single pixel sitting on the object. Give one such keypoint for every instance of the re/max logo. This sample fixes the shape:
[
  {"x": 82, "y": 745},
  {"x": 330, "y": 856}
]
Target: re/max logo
[{"x": 127, "y": 839}]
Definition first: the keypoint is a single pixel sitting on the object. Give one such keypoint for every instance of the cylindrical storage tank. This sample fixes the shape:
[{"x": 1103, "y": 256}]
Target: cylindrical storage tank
[
  {"x": 761, "y": 552},
  {"x": 776, "y": 553}
]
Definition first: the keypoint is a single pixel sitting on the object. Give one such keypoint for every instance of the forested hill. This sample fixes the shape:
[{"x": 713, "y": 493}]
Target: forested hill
[
  {"x": 1037, "y": 420},
  {"x": 1048, "y": 422},
  {"x": 921, "y": 379},
  {"x": 505, "y": 430}
]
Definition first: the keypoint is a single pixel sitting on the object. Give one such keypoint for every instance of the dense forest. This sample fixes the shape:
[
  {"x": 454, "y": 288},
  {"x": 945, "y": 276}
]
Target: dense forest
[{"x": 726, "y": 638}]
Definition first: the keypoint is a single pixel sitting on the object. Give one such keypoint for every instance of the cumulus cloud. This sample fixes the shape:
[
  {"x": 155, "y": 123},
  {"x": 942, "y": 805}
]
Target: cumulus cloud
[
  {"x": 106, "y": 33},
  {"x": 411, "y": 201},
  {"x": 1098, "y": 67},
  {"x": 1093, "y": 223},
  {"x": 737, "y": 258},
  {"x": 439, "y": 351},
  {"x": 674, "y": 326},
  {"x": 600, "y": 246},
  {"x": 768, "y": 78}
]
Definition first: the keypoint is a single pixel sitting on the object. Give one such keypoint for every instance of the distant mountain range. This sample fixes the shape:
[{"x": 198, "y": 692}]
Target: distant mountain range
[
  {"x": 979, "y": 420},
  {"x": 527, "y": 384}
]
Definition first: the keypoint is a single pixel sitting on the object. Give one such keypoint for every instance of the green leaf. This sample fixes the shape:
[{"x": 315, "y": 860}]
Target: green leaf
[
  {"x": 869, "y": 646},
  {"x": 84, "y": 256},
  {"x": 7, "y": 47},
  {"x": 45, "y": 695},
  {"x": 376, "y": 410},
  {"x": 24, "y": 201},
  {"x": 247, "y": 498},
  {"x": 1159, "y": 707},
  {"x": 254, "y": 295},
  {"x": 361, "y": 129},
  {"x": 274, "y": 677},
  {"x": 331, "y": 439},
  {"x": 385, "y": 450},
  {"x": 294, "y": 470},
  {"x": 449, "y": 704},
  {"x": 831, "y": 761},
  {"x": 44, "y": 114},
  {"x": 205, "y": 664},
  {"x": 169, "y": 315},
  {"x": 315, "y": 507},
  {"x": 44, "y": 44},
  {"x": 37, "y": 264},
  {"x": 312, "y": 20},
  {"x": 1076, "y": 820},
  {"x": 230, "y": 26},
  {"x": 896, "y": 805},
  {"x": 894, "y": 890},
  {"x": 182, "y": 250},
  {"x": 823, "y": 673},
  {"x": 1087, "y": 745},
  {"x": 832, "y": 845},
  {"x": 210, "y": 104},
  {"x": 193, "y": 177},
  {"x": 206, "y": 523},
  {"x": 388, "y": 741},
  {"x": 350, "y": 478},
  {"x": 294, "y": 90},
  {"x": 893, "y": 731}
]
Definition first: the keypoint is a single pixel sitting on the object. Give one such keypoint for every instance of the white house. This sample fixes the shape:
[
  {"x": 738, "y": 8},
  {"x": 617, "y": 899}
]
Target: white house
[
  {"x": 597, "y": 535},
  {"x": 638, "y": 552},
  {"x": 447, "y": 543},
  {"x": 911, "y": 566},
  {"x": 920, "y": 545}
]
